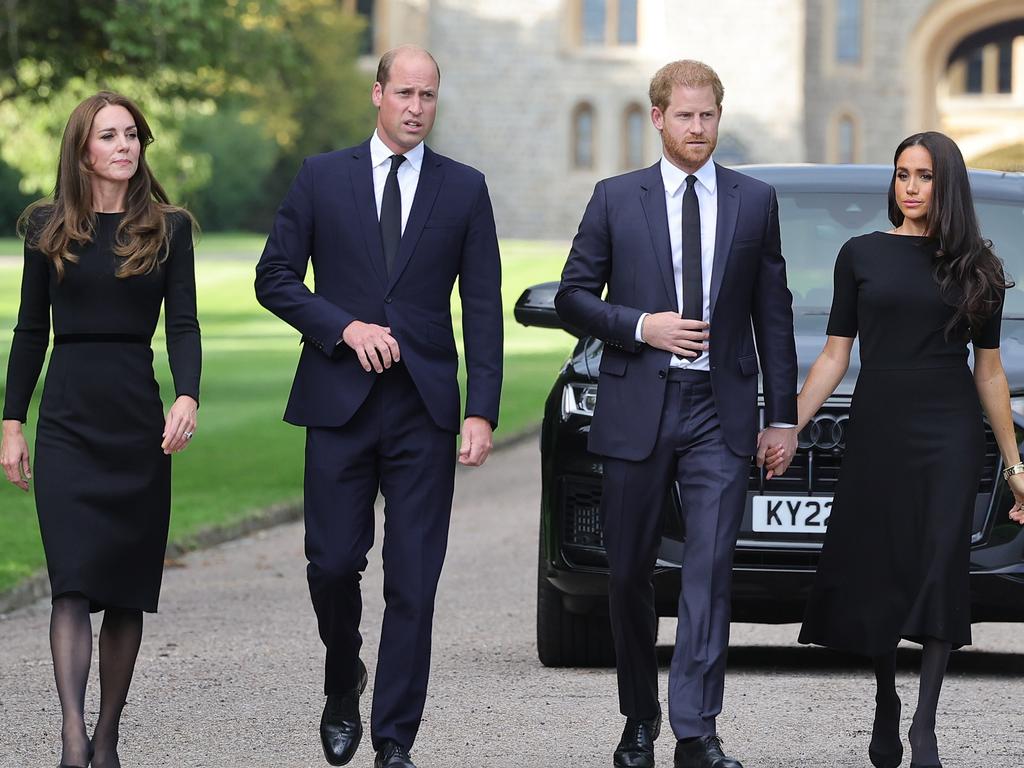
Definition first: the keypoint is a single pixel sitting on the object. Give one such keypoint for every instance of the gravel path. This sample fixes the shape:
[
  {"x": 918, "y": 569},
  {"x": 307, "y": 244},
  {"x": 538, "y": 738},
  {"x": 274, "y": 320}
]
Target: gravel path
[{"x": 230, "y": 669}]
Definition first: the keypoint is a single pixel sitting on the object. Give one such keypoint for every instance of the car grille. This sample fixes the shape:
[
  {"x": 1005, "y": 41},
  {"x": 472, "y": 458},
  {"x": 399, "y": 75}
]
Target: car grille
[
  {"x": 581, "y": 502},
  {"x": 816, "y": 469}
]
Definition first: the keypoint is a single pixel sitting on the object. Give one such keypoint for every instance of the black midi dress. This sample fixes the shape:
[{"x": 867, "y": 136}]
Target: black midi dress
[
  {"x": 895, "y": 562},
  {"x": 102, "y": 483}
]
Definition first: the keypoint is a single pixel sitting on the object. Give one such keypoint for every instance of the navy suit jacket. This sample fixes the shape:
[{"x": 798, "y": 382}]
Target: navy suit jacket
[
  {"x": 623, "y": 244},
  {"x": 329, "y": 217}
]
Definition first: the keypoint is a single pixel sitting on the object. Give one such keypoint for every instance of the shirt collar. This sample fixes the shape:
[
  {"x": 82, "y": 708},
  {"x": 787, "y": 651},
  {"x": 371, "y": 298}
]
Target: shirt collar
[
  {"x": 674, "y": 177},
  {"x": 379, "y": 153}
]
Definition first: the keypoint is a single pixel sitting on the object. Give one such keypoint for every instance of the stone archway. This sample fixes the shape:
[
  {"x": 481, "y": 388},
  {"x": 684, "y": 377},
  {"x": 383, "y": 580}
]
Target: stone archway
[{"x": 934, "y": 38}]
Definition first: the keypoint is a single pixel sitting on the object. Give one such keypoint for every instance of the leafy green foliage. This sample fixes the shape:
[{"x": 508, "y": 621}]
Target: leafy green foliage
[{"x": 236, "y": 91}]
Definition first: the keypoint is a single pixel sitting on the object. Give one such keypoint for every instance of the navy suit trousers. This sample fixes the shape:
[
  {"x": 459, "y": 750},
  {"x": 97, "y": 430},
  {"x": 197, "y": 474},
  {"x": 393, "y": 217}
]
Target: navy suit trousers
[
  {"x": 393, "y": 446},
  {"x": 691, "y": 451}
]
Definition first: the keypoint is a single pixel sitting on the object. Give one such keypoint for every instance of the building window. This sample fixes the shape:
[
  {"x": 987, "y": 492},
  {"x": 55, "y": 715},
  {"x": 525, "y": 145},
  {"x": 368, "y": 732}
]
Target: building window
[
  {"x": 608, "y": 22},
  {"x": 849, "y": 30},
  {"x": 595, "y": 21},
  {"x": 975, "y": 68},
  {"x": 363, "y": 8},
  {"x": 583, "y": 137},
  {"x": 1004, "y": 78},
  {"x": 843, "y": 139},
  {"x": 846, "y": 140},
  {"x": 627, "y": 22},
  {"x": 634, "y": 131}
]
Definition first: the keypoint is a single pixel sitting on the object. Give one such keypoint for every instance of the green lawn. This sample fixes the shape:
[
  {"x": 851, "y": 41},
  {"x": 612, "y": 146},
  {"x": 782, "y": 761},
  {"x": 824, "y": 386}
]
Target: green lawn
[{"x": 244, "y": 457}]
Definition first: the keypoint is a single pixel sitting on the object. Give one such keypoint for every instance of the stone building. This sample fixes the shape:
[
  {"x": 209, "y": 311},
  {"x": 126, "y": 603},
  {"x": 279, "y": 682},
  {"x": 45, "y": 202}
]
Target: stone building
[{"x": 549, "y": 96}]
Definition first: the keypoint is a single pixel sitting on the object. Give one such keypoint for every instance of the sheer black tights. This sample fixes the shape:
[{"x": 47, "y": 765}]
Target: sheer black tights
[
  {"x": 71, "y": 646},
  {"x": 120, "y": 637},
  {"x": 934, "y": 658}
]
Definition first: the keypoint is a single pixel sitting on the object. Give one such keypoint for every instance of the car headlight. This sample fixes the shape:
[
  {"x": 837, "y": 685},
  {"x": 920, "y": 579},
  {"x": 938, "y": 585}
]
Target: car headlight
[
  {"x": 578, "y": 399},
  {"x": 1017, "y": 405}
]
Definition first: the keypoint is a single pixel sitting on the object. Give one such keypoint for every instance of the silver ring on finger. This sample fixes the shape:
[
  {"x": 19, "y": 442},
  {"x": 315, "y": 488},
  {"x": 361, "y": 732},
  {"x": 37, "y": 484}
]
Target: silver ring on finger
[{"x": 188, "y": 435}]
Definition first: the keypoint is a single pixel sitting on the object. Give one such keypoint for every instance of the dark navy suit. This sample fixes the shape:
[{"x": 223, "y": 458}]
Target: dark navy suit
[
  {"x": 699, "y": 432},
  {"x": 393, "y": 432}
]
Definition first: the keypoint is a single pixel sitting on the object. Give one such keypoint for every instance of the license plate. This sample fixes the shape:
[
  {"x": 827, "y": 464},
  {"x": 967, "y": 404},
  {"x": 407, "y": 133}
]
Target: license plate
[{"x": 791, "y": 514}]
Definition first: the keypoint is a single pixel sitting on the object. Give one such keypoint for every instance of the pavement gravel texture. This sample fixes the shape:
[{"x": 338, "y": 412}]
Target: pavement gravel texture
[{"x": 230, "y": 669}]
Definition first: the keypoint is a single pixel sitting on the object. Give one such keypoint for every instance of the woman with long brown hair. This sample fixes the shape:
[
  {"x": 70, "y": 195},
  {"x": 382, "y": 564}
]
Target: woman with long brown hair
[
  {"x": 102, "y": 256},
  {"x": 895, "y": 563}
]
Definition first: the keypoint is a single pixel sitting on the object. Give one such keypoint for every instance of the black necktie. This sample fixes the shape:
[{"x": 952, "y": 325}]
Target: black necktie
[
  {"x": 391, "y": 214},
  {"x": 693, "y": 281}
]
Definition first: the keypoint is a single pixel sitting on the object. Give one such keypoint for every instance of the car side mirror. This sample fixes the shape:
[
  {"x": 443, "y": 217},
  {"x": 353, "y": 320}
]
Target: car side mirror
[{"x": 536, "y": 307}]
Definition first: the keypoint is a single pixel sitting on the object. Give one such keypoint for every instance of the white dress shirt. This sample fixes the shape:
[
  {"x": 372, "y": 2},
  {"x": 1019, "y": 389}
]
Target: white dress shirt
[
  {"x": 706, "y": 187},
  {"x": 674, "y": 179},
  {"x": 408, "y": 174}
]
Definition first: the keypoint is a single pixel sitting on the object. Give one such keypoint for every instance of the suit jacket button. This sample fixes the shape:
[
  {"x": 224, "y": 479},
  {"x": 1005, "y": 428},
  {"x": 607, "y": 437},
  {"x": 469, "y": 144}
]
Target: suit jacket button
[
  {"x": 387, "y": 300},
  {"x": 661, "y": 374}
]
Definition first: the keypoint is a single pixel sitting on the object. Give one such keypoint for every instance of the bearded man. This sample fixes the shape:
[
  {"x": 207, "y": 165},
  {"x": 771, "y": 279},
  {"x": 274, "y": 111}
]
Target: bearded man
[{"x": 691, "y": 257}]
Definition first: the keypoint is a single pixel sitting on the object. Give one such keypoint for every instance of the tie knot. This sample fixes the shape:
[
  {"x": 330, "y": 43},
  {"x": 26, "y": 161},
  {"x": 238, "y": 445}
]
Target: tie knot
[
  {"x": 396, "y": 160},
  {"x": 690, "y": 181}
]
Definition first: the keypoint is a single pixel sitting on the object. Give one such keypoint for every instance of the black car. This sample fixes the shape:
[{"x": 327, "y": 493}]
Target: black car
[{"x": 783, "y": 527}]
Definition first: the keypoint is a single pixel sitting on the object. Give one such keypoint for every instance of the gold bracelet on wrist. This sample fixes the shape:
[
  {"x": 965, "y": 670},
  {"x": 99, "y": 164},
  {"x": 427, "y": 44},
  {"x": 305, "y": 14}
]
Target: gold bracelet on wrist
[{"x": 1016, "y": 469}]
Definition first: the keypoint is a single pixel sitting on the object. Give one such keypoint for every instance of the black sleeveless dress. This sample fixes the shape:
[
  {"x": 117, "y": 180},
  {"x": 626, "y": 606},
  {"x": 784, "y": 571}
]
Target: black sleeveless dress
[
  {"x": 102, "y": 483},
  {"x": 896, "y": 558}
]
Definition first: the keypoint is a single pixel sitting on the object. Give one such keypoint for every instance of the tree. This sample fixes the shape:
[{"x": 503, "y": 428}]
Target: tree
[{"x": 283, "y": 72}]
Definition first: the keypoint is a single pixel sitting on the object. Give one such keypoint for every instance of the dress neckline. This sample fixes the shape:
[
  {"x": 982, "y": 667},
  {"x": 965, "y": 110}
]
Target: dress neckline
[{"x": 909, "y": 237}]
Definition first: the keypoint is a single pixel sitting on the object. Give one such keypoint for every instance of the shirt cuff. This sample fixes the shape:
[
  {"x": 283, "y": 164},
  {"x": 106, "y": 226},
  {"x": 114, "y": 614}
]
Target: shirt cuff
[
  {"x": 638, "y": 335},
  {"x": 782, "y": 425}
]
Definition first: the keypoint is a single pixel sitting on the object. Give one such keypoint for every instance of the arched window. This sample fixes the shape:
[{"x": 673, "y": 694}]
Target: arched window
[
  {"x": 846, "y": 140},
  {"x": 583, "y": 137},
  {"x": 849, "y": 30},
  {"x": 633, "y": 133}
]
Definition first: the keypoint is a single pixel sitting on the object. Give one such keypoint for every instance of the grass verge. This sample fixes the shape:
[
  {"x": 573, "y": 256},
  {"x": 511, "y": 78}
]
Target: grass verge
[{"x": 244, "y": 458}]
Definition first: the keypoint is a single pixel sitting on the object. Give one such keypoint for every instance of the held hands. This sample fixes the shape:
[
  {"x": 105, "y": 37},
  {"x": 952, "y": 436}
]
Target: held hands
[
  {"x": 668, "y": 331},
  {"x": 776, "y": 447},
  {"x": 179, "y": 425},
  {"x": 476, "y": 441},
  {"x": 14, "y": 455},
  {"x": 1016, "y": 483},
  {"x": 373, "y": 344}
]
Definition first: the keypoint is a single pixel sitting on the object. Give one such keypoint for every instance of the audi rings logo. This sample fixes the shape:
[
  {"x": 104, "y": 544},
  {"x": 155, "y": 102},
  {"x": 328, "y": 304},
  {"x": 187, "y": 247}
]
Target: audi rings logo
[{"x": 825, "y": 432}]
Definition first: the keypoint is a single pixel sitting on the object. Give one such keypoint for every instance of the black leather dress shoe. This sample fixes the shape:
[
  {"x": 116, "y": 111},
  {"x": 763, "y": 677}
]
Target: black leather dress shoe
[
  {"x": 340, "y": 725},
  {"x": 705, "y": 752},
  {"x": 392, "y": 755},
  {"x": 636, "y": 747}
]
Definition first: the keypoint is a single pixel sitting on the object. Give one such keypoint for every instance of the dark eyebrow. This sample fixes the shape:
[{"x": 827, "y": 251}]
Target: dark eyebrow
[{"x": 112, "y": 128}]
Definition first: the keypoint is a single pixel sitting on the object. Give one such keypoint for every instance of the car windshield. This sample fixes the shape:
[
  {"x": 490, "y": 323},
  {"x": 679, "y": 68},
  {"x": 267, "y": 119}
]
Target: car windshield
[{"x": 815, "y": 225}]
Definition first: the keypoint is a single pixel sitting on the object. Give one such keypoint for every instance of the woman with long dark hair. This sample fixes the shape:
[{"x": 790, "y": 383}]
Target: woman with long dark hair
[
  {"x": 895, "y": 562},
  {"x": 102, "y": 256}
]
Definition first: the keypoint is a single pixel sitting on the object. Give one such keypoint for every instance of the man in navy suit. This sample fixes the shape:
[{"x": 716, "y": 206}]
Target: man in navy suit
[
  {"x": 389, "y": 225},
  {"x": 691, "y": 257}
]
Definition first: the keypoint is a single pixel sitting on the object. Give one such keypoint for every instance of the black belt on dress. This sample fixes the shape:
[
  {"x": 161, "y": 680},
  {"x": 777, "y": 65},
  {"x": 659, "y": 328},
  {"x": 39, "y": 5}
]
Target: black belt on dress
[{"x": 99, "y": 338}]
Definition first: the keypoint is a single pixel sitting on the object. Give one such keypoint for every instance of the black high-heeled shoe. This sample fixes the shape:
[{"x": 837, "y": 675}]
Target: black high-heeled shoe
[{"x": 886, "y": 748}]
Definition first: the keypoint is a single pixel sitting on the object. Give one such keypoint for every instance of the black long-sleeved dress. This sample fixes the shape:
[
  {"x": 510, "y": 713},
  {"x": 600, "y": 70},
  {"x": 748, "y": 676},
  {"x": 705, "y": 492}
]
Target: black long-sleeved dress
[
  {"x": 897, "y": 555},
  {"x": 102, "y": 483}
]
